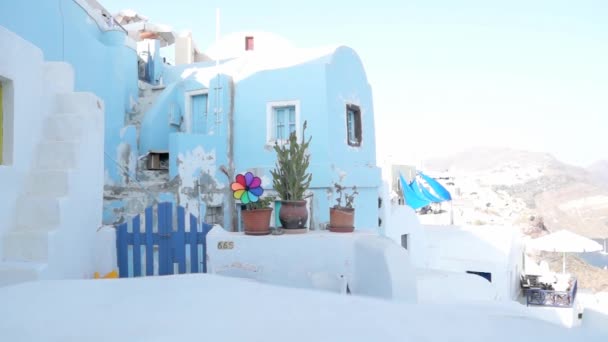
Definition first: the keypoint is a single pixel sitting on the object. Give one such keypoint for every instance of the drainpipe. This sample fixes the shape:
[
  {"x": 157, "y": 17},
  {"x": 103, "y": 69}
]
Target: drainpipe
[{"x": 230, "y": 153}]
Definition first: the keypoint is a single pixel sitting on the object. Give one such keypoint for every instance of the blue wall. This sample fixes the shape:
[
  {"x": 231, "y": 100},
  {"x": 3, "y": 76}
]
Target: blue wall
[
  {"x": 108, "y": 68},
  {"x": 102, "y": 63},
  {"x": 155, "y": 126},
  {"x": 183, "y": 147},
  {"x": 305, "y": 83},
  {"x": 323, "y": 86},
  {"x": 347, "y": 84}
]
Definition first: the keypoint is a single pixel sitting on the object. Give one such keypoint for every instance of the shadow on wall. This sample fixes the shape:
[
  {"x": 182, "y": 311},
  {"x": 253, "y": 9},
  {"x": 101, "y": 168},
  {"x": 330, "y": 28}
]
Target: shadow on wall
[{"x": 596, "y": 319}]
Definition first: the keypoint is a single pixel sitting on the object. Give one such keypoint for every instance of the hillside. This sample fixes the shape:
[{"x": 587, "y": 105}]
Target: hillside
[
  {"x": 599, "y": 170},
  {"x": 533, "y": 191},
  {"x": 500, "y": 185}
]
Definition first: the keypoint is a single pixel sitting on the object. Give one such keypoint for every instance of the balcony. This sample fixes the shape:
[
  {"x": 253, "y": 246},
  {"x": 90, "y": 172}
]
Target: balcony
[{"x": 556, "y": 290}]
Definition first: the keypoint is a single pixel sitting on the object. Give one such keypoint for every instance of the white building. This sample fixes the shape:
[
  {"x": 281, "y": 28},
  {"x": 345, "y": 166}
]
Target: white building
[{"x": 51, "y": 167}]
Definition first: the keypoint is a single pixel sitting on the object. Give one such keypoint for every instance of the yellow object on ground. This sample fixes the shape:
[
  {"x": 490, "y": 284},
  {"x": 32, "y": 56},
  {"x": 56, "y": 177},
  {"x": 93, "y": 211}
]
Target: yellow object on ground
[{"x": 111, "y": 275}]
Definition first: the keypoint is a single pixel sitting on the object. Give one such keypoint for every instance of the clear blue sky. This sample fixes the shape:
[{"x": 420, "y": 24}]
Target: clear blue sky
[{"x": 447, "y": 74}]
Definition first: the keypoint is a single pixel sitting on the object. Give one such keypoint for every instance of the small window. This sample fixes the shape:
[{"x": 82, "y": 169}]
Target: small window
[
  {"x": 158, "y": 160},
  {"x": 214, "y": 215},
  {"x": 248, "y": 43},
  {"x": 283, "y": 118},
  {"x": 404, "y": 241},
  {"x": 284, "y": 122},
  {"x": 353, "y": 125}
]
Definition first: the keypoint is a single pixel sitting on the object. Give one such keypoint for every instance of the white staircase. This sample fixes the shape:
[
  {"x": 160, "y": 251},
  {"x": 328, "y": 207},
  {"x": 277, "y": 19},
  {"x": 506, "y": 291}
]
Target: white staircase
[{"x": 51, "y": 189}]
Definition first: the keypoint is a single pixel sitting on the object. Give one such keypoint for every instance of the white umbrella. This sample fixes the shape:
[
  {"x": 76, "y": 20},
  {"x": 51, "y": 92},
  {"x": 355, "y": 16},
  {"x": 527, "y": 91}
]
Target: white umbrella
[
  {"x": 564, "y": 241},
  {"x": 143, "y": 29},
  {"x": 128, "y": 16}
]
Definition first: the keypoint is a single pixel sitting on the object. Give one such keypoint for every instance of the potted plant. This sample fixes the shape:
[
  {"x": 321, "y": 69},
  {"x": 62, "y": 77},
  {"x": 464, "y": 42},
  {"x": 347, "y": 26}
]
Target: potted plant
[
  {"x": 256, "y": 211},
  {"x": 342, "y": 218},
  {"x": 291, "y": 179}
]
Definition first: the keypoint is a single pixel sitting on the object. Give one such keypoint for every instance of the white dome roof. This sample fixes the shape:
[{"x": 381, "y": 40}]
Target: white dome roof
[{"x": 233, "y": 45}]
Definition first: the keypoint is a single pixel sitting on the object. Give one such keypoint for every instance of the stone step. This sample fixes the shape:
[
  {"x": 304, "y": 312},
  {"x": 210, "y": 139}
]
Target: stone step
[
  {"x": 49, "y": 183},
  {"x": 81, "y": 102},
  {"x": 12, "y": 272},
  {"x": 57, "y": 155},
  {"x": 59, "y": 76},
  {"x": 64, "y": 127},
  {"x": 39, "y": 211},
  {"x": 26, "y": 245}
]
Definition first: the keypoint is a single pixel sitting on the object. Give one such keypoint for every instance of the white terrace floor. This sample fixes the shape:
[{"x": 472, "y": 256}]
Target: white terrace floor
[{"x": 209, "y": 307}]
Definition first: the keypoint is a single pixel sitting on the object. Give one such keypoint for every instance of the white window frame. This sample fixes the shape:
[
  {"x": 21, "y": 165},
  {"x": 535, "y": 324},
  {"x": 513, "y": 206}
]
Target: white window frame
[
  {"x": 270, "y": 106},
  {"x": 188, "y": 107}
]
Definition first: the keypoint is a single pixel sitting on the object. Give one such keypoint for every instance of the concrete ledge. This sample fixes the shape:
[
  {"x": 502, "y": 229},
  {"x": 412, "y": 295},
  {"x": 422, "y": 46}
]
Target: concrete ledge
[{"x": 367, "y": 264}]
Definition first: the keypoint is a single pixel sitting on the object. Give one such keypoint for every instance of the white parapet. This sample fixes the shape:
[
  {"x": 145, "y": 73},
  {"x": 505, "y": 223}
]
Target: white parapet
[{"x": 357, "y": 263}]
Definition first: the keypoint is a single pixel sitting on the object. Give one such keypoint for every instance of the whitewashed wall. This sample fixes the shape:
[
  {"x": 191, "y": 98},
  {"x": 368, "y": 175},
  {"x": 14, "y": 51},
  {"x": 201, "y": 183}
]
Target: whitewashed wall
[
  {"x": 28, "y": 103},
  {"x": 401, "y": 220},
  {"x": 480, "y": 249},
  {"x": 371, "y": 265},
  {"x": 54, "y": 131}
]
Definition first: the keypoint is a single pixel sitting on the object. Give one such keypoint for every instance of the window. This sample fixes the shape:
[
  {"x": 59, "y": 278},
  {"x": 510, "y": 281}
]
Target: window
[
  {"x": 404, "y": 241},
  {"x": 214, "y": 215},
  {"x": 248, "y": 43},
  {"x": 353, "y": 125},
  {"x": 284, "y": 122},
  {"x": 283, "y": 119},
  {"x": 158, "y": 160}
]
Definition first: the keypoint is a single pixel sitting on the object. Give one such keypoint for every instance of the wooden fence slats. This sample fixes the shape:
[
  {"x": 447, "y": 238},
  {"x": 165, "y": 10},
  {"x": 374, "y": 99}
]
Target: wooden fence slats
[
  {"x": 122, "y": 250},
  {"x": 136, "y": 247},
  {"x": 149, "y": 242},
  {"x": 172, "y": 244},
  {"x": 164, "y": 235},
  {"x": 193, "y": 241},
  {"x": 179, "y": 241}
]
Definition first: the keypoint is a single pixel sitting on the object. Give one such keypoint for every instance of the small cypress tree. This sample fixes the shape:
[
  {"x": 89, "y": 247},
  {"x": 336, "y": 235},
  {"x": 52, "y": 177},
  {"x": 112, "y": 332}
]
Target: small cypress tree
[{"x": 290, "y": 177}]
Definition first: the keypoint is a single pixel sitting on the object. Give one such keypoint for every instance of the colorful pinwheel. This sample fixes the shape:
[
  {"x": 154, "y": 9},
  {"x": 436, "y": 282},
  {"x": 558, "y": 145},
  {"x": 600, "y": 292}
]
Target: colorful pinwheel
[{"x": 247, "y": 188}]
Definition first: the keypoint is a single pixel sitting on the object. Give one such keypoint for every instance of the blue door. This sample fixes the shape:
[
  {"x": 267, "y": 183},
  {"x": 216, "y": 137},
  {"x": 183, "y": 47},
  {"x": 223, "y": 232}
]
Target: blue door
[{"x": 199, "y": 114}]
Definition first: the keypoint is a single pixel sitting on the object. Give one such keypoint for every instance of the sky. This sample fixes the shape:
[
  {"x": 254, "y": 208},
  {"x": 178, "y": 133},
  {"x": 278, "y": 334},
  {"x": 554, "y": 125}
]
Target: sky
[{"x": 447, "y": 75}]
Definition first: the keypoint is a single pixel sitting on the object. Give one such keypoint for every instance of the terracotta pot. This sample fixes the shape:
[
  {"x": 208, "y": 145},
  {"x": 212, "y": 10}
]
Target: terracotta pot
[
  {"x": 293, "y": 214},
  {"x": 257, "y": 221},
  {"x": 341, "y": 220}
]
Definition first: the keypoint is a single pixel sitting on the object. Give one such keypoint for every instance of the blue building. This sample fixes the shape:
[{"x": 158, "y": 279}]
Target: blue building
[
  {"x": 181, "y": 132},
  {"x": 219, "y": 119}
]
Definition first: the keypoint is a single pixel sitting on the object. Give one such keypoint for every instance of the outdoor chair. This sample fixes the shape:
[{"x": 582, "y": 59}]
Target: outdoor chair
[{"x": 529, "y": 281}]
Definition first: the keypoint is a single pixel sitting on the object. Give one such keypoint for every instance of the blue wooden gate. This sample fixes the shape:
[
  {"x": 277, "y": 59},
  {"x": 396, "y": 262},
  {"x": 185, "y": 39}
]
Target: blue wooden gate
[{"x": 163, "y": 246}]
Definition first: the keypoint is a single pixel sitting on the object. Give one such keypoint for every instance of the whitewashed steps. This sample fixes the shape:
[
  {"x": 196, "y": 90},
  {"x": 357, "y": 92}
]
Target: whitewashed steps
[
  {"x": 57, "y": 155},
  {"x": 26, "y": 245},
  {"x": 64, "y": 127},
  {"x": 42, "y": 208},
  {"x": 75, "y": 102},
  {"x": 49, "y": 183},
  {"x": 35, "y": 211},
  {"x": 14, "y": 272},
  {"x": 59, "y": 76}
]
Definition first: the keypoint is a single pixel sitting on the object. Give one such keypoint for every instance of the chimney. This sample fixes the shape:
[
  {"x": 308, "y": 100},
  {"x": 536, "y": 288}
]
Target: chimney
[{"x": 249, "y": 43}]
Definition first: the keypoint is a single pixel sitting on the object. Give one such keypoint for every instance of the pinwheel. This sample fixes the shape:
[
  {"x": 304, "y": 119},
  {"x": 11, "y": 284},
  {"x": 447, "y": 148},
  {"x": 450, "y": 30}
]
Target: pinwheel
[{"x": 247, "y": 188}]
